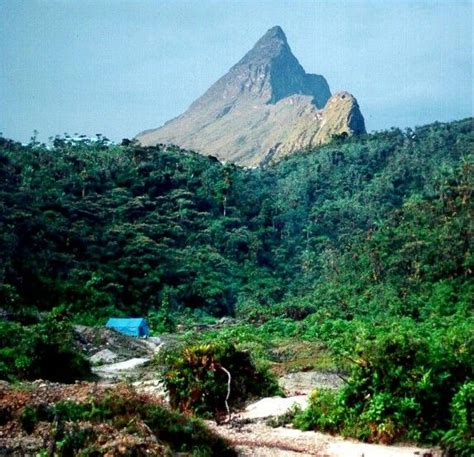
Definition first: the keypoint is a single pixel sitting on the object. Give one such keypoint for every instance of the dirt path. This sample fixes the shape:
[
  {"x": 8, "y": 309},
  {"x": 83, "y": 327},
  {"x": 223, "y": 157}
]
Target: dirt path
[
  {"x": 251, "y": 436},
  {"x": 249, "y": 433},
  {"x": 256, "y": 439},
  {"x": 121, "y": 369}
]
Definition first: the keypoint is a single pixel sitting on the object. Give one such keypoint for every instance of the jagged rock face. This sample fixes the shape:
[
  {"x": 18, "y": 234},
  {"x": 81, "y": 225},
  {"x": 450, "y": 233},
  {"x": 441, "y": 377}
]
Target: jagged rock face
[{"x": 264, "y": 108}]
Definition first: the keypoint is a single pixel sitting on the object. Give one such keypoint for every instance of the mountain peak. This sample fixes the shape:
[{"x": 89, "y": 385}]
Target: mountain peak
[
  {"x": 270, "y": 72},
  {"x": 264, "y": 107},
  {"x": 275, "y": 33},
  {"x": 270, "y": 46}
]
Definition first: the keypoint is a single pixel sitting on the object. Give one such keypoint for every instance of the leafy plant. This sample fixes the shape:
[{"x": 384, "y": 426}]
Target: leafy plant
[
  {"x": 78, "y": 427},
  {"x": 401, "y": 378},
  {"x": 197, "y": 378},
  {"x": 459, "y": 440},
  {"x": 45, "y": 350}
]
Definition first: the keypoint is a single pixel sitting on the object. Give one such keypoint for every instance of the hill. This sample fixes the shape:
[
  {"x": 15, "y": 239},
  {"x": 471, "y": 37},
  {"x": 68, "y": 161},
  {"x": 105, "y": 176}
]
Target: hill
[{"x": 106, "y": 228}]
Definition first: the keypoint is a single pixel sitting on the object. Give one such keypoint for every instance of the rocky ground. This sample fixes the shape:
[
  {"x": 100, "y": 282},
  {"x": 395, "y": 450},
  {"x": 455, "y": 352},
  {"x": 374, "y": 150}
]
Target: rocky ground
[
  {"x": 117, "y": 357},
  {"x": 106, "y": 346},
  {"x": 249, "y": 431},
  {"x": 303, "y": 382},
  {"x": 252, "y": 433}
]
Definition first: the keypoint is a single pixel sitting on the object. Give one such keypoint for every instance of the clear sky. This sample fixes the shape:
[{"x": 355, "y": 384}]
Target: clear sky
[{"x": 117, "y": 67}]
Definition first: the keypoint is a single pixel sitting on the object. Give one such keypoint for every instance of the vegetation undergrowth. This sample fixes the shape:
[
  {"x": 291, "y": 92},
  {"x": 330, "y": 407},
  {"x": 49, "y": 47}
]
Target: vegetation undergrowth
[
  {"x": 121, "y": 422},
  {"x": 404, "y": 376},
  {"x": 206, "y": 379},
  {"x": 43, "y": 348}
]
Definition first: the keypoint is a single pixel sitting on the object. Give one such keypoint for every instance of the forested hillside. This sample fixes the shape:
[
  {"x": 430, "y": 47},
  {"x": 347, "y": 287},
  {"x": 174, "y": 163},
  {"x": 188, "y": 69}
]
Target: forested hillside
[
  {"x": 361, "y": 248},
  {"x": 102, "y": 228}
]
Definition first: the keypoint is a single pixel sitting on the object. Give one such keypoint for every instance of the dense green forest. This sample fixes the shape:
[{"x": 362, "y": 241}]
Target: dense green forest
[
  {"x": 363, "y": 222},
  {"x": 363, "y": 245}
]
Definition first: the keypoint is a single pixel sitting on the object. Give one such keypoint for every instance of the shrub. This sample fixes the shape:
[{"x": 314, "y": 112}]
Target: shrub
[
  {"x": 185, "y": 433},
  {"x": 44, "y": 350},
  {"x": 196, "y": 378},
  {"x": 402, "y": 377},
  {"x": 322, "y": 413},
  {"x": 285, "y": 418},
  {"x": 78, "y": 431},
  {"x": 459, "y": 440},
  {"x": 29, "y": 418}
]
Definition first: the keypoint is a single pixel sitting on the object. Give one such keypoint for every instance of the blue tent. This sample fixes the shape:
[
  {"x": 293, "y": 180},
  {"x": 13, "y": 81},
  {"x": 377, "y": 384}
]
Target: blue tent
[{"x": 129, "y": 326}]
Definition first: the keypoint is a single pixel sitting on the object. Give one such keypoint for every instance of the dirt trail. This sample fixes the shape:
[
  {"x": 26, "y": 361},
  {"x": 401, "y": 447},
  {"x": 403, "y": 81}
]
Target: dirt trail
[
  {"x": 257, "y": 439},
  {"x": 120, "y": 370},
  {"x": 249, "y": 433}
]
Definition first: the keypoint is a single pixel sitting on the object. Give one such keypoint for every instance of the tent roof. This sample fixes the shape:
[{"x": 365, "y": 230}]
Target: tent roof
[{"x": 125, "y": 322}]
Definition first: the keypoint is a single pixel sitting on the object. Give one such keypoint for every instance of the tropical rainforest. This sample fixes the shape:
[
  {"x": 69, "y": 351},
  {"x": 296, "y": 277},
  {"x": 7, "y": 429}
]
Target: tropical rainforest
[{"x": 362, "y": 246}]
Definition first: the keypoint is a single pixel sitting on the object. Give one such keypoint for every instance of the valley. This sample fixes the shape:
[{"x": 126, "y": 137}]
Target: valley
[{"x": 259, "y": 429}]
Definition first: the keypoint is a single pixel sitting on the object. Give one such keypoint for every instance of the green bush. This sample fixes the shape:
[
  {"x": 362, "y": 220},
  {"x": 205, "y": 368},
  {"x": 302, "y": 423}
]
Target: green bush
[
  {"x": 402, "y": 377},
  {"x": 459, "y": 440},
  {"x": 45, "y": 350},
  {"x": 185, "y": 433},
  {"x": 323, "y": 412},
  {"x": 285, "y": 418},
  {"x": 196, "y": 378},
  {"x": 29, "y": 418},
  {"x": 75, "y": 431}
]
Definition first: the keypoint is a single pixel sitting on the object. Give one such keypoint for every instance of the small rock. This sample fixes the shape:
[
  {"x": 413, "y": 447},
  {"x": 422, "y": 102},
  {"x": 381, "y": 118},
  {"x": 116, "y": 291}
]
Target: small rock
[
  {"x": 273, "y": 406},
  {"x": 156, "y": 340},
  {"x": 103, "y": 357}
]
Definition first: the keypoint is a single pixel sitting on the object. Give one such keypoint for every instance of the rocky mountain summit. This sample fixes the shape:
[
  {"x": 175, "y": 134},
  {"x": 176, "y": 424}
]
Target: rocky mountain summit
[{"x": 264, "y": 108}]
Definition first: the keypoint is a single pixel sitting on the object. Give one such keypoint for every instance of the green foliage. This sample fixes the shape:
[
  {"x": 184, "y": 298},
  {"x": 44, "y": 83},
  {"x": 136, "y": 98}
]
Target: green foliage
[
  {"x": 75, "y": 433},
  {"x": 362, "y": 247},
  {"x": 323, "y": 413},
  {"x": 459, "y": 440},
  {"x": 196, "y": 378},
  {"x": 29, "y": 418},
  {"x": 108, "y": 229},
  {"x": 162, "y": 320},
  {"x": 44, "y": 350},
  {"x": 186, "y": 433},
  {"x": 284, "y": 419},
  {"x": 403, "y": 375}
]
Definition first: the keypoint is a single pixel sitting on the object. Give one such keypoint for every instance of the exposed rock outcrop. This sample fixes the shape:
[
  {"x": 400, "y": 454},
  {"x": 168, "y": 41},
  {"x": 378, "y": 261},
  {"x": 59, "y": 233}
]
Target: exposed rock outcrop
[{"x": 264, "y": 108}]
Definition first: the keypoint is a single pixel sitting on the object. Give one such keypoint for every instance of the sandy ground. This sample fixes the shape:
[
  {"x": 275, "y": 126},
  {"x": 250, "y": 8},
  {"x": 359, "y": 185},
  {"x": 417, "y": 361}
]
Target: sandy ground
[
  {"x": 259, "y": 440},
  {"x": 251, "y": 435},
  {"x": 129, "y": 364},
  {"x": 118, "y": 370}
]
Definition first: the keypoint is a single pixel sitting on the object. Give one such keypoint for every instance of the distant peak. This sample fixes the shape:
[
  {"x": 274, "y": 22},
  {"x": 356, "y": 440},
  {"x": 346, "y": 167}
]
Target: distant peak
[
  {"x": 275, "y": 33},
  {"x": 264, "y": 107},
  {"x": 269, "y": 46},
  {"x": 273, "y": 37}
]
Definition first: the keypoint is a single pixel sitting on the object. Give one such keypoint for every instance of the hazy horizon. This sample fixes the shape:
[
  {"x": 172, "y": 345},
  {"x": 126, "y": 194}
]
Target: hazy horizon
[{"x": 120, "y": 67}]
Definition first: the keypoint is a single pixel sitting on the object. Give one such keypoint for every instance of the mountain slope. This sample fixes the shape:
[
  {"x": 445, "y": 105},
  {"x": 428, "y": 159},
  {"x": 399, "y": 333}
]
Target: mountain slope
[
  {"x": 104, "y": 227},
  {"x": 264, "y": 108}
]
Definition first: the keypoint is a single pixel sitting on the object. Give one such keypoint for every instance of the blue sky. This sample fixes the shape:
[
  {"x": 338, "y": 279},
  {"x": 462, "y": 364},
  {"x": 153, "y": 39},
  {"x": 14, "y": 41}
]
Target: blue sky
[{"x": 117, "y": 67}]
